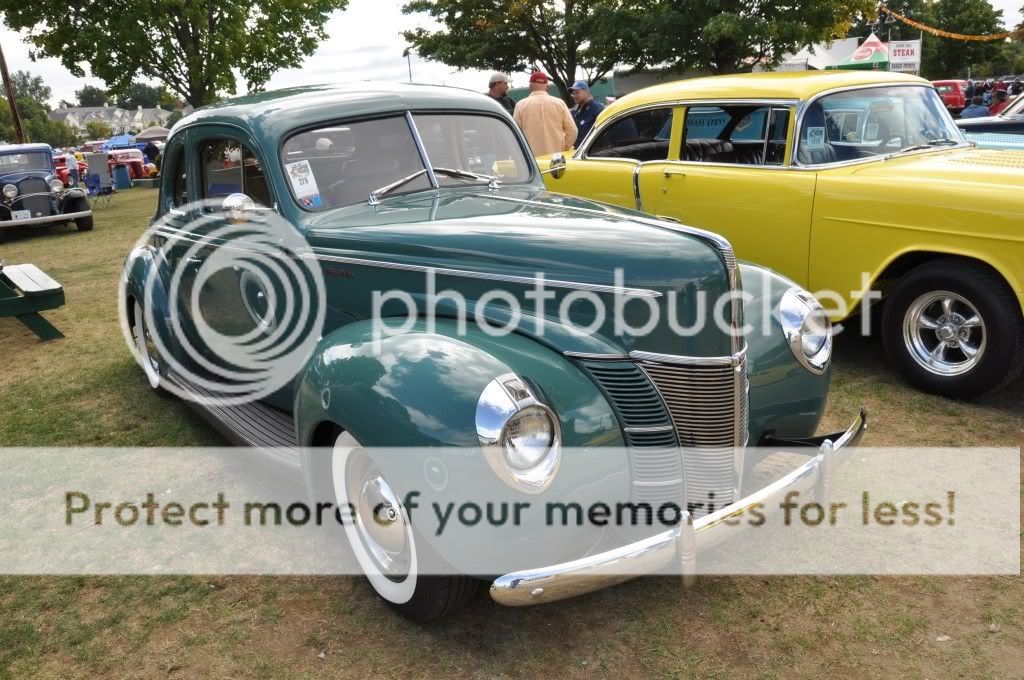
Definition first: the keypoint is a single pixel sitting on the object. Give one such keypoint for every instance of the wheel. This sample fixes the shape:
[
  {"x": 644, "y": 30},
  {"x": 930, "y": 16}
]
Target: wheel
[
  {"x": 148, "y": 352},
  {"x": 954, "y": 328},
  {"x": 84, "y": 223},
  {"x": 390, "y": 553}
]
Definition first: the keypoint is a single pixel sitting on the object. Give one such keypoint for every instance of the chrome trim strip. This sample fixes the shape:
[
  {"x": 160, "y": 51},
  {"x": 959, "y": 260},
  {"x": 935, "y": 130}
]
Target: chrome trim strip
[
  {"x": 677, "y": 547},
  {"x": 424, "y": 158},
  {"x": 326, "y": 256},
  {"x": 65, "y": 217},
  {"x": 721, "y": 362},
  {"x": 649, "y": 430},
  {"x": 595, "y": 356},
  {"x": 636, "y": 187}
]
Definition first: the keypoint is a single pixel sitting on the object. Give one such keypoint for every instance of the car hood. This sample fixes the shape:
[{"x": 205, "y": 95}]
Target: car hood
[
  {"x": 480, "y": 241},
  {"x": 961, "y": 167},
  {"x": 15, "y": 177}
]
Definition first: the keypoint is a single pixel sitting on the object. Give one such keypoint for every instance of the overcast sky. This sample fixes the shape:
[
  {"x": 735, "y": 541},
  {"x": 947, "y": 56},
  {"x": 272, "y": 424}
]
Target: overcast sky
[{"x": 364, "y": 43}]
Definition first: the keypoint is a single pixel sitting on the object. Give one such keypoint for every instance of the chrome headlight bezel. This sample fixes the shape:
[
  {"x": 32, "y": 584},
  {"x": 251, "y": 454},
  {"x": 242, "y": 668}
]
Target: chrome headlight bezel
[
  {"x": 10, "y": 191},
  {"x": 505, "y": 402},
  {"x": 801, "y": 316},
  {"x": 56, "y": 186}
]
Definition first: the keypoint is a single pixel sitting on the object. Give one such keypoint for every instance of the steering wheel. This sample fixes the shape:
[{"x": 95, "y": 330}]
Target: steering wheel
[{"x": 332, "y": 189}]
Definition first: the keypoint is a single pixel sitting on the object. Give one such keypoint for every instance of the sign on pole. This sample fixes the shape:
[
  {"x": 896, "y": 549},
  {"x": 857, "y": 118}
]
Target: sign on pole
[{"x": 905, "y": 56}]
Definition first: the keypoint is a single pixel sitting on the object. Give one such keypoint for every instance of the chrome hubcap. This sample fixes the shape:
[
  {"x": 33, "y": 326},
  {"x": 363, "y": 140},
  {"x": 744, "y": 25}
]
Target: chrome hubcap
[
  {"x": 944, "y": 333},
  {"x": 382, "y": 524}
]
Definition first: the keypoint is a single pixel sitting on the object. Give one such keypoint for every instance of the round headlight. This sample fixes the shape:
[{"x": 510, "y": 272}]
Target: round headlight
[
  {"x": 527, "y": 438},
  {"x": 807, "y": 329},
  {"x": 10, "y": 191},
  {"x": 56, "y": 185},
  {"x": 520, "y": 435}
]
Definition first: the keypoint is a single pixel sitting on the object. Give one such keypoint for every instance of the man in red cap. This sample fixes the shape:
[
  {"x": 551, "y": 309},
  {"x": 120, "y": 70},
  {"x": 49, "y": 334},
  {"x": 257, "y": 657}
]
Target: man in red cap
[{"x": 545, "y": 120}]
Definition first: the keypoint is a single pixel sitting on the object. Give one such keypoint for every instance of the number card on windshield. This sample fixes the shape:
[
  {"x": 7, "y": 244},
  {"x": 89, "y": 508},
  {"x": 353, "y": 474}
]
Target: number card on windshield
[{"x": 304, "y": 184}]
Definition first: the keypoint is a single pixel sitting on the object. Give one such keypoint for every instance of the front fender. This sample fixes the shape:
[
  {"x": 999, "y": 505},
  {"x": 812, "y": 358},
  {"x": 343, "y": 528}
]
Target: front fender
[
  {"x": 142, "y": 264},
  {"x": 418, "y": 389},
  {"x": 786, "y": 399}
]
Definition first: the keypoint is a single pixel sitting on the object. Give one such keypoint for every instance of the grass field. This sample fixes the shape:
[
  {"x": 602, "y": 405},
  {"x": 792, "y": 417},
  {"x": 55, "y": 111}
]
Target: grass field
[{"x": 86, "y": 390}]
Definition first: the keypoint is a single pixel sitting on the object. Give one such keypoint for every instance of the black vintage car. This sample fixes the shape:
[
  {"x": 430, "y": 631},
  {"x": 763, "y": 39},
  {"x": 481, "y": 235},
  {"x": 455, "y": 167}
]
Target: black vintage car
[{"x": 31, "y": 194}]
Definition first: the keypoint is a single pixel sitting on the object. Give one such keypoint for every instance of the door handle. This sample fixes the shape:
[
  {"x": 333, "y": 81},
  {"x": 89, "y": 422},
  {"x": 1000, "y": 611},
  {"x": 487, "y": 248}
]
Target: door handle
[
  {"x": 676, "y": 173},
  {"x": 195, "y": 260}
]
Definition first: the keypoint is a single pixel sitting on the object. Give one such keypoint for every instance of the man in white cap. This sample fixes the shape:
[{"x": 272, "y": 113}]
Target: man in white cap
[
  {"x": 586, "y": 109},
  {"x": 545, "y": 120},
  {"x": 497, "y": 89}
]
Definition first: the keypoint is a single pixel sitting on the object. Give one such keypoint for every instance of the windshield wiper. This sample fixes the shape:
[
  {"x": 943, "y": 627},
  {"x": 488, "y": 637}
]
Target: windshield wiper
[
  {"x": 943, "y": 141},
  {"x": 491, "y": 180},
  {"x": 383, "y": 191}
]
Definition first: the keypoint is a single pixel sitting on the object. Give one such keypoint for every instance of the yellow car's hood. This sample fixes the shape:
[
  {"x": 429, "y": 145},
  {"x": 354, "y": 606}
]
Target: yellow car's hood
[{"x": 962, "y": 166}]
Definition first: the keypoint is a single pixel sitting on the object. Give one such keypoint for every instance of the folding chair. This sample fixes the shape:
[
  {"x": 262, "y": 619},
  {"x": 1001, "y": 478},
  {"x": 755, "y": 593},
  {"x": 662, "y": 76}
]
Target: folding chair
[{"x": 98, "y": 181}]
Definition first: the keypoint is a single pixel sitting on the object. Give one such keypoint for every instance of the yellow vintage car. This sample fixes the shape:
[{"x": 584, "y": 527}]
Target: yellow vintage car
[{"x": 845, "y": 182}]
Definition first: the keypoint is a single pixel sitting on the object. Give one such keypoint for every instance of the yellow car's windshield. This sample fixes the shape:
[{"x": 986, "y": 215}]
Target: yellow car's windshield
[{"x": 873, "y": 122}]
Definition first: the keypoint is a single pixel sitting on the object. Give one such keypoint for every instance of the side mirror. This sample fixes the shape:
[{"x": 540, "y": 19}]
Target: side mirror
[
  {"x": 238, "y": 208},
  {"x": 556, "y": 167}
]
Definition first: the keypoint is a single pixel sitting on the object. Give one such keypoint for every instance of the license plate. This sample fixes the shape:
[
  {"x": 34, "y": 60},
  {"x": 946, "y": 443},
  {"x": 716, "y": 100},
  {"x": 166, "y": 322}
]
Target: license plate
[{"x": 21, "y": 214}]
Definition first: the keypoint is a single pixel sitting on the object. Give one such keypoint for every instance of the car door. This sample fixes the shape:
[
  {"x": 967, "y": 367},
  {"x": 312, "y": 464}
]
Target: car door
[
  {"x": 733, "y": 175},
  {"x": 233, "y": 293},
  {"x": 606, "y": 169}
]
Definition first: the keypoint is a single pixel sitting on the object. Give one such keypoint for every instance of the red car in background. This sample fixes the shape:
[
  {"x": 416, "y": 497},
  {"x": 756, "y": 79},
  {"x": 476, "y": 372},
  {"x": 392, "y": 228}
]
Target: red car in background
[
  {"x": 133, "y": 158},
  {"x": 953, "y": 93},
  {"x": 61, "y": 165}
]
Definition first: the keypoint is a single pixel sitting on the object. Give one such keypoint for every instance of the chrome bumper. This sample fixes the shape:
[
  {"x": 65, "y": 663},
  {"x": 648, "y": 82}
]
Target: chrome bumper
[
  {"x": 679, "y": 545},
  {"x": 63, "y": 217}
]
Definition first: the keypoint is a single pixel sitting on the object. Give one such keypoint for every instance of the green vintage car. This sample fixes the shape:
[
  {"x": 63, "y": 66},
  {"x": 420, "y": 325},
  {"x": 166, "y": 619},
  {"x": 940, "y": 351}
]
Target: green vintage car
[{"x": 375, "y": 215}]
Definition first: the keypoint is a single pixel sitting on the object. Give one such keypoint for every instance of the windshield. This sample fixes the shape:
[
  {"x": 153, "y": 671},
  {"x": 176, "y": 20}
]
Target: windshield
[
  {"x": 20, "y": 162},
  {"x": 340, "y": 165},
  {"x": 873, "y": 122}
]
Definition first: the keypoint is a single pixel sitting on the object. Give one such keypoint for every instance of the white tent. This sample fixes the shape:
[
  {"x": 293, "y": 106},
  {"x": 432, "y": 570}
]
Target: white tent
[{"x": 816, "y": 57}]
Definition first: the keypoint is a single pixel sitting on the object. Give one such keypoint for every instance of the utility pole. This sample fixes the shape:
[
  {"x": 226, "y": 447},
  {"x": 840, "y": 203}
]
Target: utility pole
[{"x": 9, "y": 90}]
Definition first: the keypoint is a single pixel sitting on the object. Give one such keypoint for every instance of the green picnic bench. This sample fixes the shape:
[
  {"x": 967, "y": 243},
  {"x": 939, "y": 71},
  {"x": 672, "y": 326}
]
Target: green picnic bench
[{"x": 25, "y": 290}]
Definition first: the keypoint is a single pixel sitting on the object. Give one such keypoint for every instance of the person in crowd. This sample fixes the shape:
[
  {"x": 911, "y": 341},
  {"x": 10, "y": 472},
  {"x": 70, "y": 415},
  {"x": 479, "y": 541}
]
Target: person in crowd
[
  {"x": 986, "y": 94},
  {"x": 1017, "y": 88},
  {"x": 969, "y": 90},
  {"x": 1000, "y": 86},
  {"x": 151, "y": 151},
  {"x": 586, "y": 109},
  {"x": 545, "y": 120},
  {"x": 497, "y": 89},
  {"x": 1002, "y": 101},
  {"x": 977, "y": 108}
]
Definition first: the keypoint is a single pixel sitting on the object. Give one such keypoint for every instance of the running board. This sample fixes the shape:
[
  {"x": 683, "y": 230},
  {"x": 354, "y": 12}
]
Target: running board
[{"x": 254, "y": 424}]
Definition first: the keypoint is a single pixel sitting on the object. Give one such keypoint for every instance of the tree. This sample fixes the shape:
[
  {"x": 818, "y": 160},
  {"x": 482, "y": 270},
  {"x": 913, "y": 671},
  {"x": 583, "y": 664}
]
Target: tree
[
  {"x": 31, "y": 87},
  {"x": 192, "y": 46},
  {"x": 90, "y": 95},
  {"x": 140, "y": 94},
  {"x": 950, "y": 58},
  {"x": 97, "y": 129},
  {"x": 175, "y": 116},
  {"x": 37, "y": 125},
  {"x": 730, "y": 36},
  {"x": 517, "y": 35}
]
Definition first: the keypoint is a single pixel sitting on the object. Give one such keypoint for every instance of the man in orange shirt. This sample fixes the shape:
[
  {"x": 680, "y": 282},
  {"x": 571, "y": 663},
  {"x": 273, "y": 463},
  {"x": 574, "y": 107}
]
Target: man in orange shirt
[{"x": 545, "y": 120}]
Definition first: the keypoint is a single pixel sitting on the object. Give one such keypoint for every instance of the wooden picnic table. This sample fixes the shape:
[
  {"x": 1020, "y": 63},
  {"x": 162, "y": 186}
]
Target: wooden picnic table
[{"x": 25, "y": 290}]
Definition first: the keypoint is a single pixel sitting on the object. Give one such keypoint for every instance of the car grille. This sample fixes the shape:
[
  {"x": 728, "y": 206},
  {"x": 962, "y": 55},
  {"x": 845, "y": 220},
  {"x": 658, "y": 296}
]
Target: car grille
[
  {"x": 664, "y": 406},
  {"x": 39, "y": 205}
]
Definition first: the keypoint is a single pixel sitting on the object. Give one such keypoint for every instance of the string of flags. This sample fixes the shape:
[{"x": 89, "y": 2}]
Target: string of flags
[{"x": 948, "y": 34}]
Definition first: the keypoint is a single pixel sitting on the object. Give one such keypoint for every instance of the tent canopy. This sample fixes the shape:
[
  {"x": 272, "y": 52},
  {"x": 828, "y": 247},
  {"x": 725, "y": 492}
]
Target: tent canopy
[
  {"x": 153, "y": 134},
  {"x": 118, "y": 142},
  {"x": 871, "y": 55}
]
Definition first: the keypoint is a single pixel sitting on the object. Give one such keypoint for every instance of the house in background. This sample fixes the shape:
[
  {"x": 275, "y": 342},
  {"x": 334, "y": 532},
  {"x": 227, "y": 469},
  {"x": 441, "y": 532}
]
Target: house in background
[{"x": 120, "y": 120}]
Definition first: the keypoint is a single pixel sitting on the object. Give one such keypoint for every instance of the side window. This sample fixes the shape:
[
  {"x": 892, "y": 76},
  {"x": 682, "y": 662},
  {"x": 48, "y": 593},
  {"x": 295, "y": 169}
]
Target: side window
[
  {"x": 174, "y": 167},
  {"x": 180, "y": 181},
  {"x": 643, "y": 136},
  {"x": 231, "y": 168},
  {"x": 741, "y": 135}
]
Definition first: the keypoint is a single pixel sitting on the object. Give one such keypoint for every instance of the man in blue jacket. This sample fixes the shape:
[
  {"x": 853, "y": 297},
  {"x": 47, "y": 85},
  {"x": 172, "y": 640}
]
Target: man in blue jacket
[
  {"x": 977, "y": 109},
  {"x": 586, "y": 110}
]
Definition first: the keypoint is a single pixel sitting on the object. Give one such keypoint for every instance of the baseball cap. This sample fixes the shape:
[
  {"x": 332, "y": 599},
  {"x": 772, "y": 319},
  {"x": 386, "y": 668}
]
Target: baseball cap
[
  {"x": 538, "y": 77},
  {"x": 498, "y": 77},
  {"x": 580, "y": 85}
]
